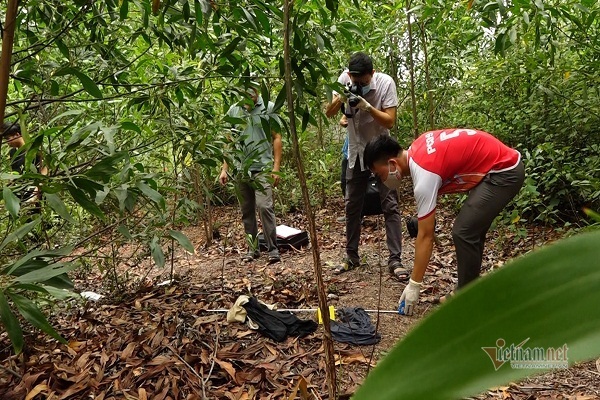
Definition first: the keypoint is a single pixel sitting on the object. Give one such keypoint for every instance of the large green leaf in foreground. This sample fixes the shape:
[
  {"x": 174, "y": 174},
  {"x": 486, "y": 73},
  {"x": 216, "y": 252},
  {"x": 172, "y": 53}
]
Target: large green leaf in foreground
[{"x": 550, "y": 296}]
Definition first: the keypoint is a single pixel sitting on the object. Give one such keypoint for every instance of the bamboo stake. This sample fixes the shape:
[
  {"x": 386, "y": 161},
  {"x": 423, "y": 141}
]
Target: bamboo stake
[
  {"x": 411, "y": 63},
  {"x": 289, "y": 84}
]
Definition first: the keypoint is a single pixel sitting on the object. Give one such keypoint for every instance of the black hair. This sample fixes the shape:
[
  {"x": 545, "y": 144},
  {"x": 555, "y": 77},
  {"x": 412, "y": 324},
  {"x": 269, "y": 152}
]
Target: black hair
[
  {"x": 381, "y": 148},
  {"x": 360, "y": 64},
  {"x": 10, "y": 129}
]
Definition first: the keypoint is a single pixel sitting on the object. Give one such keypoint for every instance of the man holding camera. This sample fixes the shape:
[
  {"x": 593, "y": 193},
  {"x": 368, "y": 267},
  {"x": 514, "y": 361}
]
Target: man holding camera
[{"x": 369, "y": 104}]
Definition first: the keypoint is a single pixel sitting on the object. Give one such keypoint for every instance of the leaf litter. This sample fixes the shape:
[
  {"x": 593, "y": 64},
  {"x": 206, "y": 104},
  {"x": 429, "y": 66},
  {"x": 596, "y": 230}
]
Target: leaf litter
[{"x": 160, "y": 343}]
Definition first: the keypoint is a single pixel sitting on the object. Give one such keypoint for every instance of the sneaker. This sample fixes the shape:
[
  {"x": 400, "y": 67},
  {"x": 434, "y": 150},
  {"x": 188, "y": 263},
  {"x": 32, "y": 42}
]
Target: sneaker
[
  {"x": 250, "y": 256},
  {"x": 347, "y": 265},
  {"x": 341, "y": 219}
]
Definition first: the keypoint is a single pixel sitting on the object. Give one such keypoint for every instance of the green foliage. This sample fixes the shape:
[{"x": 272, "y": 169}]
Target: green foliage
[
  {"x": 547, "y": 299},
  {"x": 125, "y": 102},
  {"x": 558, "y": 181}
]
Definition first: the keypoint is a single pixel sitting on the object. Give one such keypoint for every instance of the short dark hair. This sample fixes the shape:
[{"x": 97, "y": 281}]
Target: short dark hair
[
  {"x": 381, "y": 148},
  {"x": 10, "y": 129},
  {"x": 360, "y": 64}
]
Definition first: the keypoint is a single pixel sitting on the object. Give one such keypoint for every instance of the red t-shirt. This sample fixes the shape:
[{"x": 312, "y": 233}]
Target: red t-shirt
[{"x": 453, "y": 161}]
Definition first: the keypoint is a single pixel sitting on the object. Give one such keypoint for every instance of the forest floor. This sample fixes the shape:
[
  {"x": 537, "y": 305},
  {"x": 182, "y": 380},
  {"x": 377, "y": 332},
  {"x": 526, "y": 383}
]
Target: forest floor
[{"x": 156, "y": 341}]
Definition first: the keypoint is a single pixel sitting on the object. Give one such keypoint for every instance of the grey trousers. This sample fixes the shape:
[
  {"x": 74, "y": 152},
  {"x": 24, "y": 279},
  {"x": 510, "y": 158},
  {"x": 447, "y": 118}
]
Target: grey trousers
[
  {"x": 257, "y": 193},
  {"x": 483, "y": 204},
  {"x": 356, "y": 187}
]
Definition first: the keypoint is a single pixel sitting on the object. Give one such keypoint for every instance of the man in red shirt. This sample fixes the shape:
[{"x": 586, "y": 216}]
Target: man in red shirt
[{"x": 450, "y": 161}]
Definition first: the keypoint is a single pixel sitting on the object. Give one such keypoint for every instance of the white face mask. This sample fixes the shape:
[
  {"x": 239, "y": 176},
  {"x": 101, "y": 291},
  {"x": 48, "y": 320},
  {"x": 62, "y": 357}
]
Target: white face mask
[
  {"x": 393, "y": 181},
  {"x": 366, "y": 89}
]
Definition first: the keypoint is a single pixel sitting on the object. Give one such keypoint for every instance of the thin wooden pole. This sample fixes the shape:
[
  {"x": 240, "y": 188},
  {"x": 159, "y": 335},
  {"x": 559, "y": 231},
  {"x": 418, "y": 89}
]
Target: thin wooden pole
[
  {"x": 289, "y": 84},
  {"x": 411, "y": 64},
  {"x": 431, "y": 108},
  {"x": 7, "y": 46}
]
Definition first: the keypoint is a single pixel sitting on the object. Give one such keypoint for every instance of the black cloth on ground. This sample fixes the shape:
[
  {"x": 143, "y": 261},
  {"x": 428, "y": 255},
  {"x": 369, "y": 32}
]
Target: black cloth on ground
[
  {"x": 353, "y": 325},
  {"x": 277, "y": 325}
]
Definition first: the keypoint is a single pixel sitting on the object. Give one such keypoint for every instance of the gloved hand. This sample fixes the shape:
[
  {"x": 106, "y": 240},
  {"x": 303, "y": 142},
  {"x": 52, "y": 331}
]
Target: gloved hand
[
  {"x": 363, "y": 104},
  {"x": 410, "y": 296}
]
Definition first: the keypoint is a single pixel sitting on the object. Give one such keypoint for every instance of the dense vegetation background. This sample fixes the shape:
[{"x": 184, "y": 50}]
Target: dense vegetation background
[{"x": 126, "y": 101}]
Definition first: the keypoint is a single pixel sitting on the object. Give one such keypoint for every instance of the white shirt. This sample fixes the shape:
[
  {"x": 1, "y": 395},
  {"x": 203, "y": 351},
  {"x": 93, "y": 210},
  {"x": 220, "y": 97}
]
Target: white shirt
[{"x": 362, "y": 127}]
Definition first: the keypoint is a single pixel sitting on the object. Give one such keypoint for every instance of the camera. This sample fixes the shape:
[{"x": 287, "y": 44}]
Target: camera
[{"x": 352, "y": 92}]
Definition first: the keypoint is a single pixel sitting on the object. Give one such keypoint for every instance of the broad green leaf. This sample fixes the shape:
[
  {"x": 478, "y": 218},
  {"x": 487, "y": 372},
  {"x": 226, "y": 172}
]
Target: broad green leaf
[
  {"x": 66, "y": 114},
  {"x": 13, "y": 205},
  {"x": 46, "y": 273},
  {"x": 11, "y": 324},
  {"x": 20, "y": 232},
  {"x": 63, "y": 48},
  {"x": 84, "y": 202},
  {"x": 130, "y": 126},
  {"x": 19, "y": 265},
  {"x": 59, "y": 207},
  {"x": 54, "y": 291},
  {"x": 124, "y": 10},
  {"x": 151, "y": 194},
  {"x": 592, "y": 214},
  {"x": 183, "y": 240},
  {"x": 548, "y": 298},
  {"x": 157, "y": 253},
  {"x": 88, "y": 84},
  {"x": 123, "y": 230},
  {"x": 106, "y": 168},
  {"x": 280, "y": 99},
  {"x": 34, "y": 316},
  {"x": 198, "y": 12}
]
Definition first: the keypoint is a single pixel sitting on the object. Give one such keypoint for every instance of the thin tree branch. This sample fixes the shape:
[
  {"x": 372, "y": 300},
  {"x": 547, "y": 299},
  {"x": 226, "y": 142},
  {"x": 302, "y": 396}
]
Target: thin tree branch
[{"x": 54, "y": 39}]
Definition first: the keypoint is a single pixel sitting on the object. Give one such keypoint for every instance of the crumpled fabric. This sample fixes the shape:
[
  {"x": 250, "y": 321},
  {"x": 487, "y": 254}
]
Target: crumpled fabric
[
  {"x": 277, "y": 325},
  {"x": 237, "y": 313},
  {"x": 353, "y": 325}
]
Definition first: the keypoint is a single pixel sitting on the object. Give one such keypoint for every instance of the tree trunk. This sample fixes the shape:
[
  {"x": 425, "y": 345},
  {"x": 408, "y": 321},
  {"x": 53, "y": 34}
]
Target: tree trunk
[
  {"x": 327, "y": 339},
  {"x": 411, "y": 68},
  {"x": 7, "y": 46},
  {"x": 393, "y": 71},
  {"x": 430, "y": 114}
]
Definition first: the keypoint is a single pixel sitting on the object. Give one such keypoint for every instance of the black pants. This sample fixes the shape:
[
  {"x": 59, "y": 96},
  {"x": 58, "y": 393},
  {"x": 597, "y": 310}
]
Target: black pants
[
  {"x": 484, "y": 203},
  {"x": 343, "y": 176}
]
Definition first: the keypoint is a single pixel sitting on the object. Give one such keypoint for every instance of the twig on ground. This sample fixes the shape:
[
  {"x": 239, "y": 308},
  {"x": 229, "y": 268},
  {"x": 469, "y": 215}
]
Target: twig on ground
[
  {"x": 10, "y": 371},
  {"x": 193, "y": 371},
  {"x": 212, "y": 365}
]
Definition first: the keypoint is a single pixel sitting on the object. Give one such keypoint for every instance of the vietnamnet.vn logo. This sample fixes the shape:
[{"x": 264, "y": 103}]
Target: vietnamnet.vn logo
[{"x": 521, "y": 357}]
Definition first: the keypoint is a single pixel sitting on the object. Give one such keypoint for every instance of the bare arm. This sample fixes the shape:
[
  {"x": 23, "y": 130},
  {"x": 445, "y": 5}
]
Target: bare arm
[
  {"x": 223, "y": 175},
  {"x": 277, "y": 150},
  {"x": 423, "y": 247},
  {"x": 385, "y": 118},
  {"x": 332, "y": 108}
]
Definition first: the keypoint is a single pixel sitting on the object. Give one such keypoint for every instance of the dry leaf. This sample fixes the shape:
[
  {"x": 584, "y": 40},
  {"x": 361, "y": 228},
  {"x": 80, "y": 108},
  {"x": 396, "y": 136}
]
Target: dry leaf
[
  {"x": 227, "y": 367},
  {"x": 36, "y": 390}
]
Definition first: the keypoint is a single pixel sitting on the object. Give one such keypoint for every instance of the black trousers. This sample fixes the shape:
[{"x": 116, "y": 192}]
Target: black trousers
[{"x": 484, "y": 203}]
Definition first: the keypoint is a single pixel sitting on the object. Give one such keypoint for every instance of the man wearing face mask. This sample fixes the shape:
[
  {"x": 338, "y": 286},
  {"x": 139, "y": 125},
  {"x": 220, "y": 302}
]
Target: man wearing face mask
[
  {"x": 450, "y": 161},
  {"x": 370, "y": 108}
]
